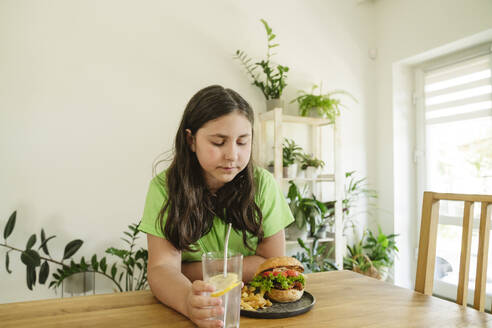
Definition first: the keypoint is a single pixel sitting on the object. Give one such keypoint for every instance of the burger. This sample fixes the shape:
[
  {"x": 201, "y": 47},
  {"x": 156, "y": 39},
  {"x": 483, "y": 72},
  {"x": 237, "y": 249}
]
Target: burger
[{"x": 281, "y": 279}]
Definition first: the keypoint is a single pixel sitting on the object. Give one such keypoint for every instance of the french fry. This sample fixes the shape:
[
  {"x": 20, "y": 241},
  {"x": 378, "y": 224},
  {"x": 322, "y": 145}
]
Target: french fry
[{"x": 252, "y": 301}]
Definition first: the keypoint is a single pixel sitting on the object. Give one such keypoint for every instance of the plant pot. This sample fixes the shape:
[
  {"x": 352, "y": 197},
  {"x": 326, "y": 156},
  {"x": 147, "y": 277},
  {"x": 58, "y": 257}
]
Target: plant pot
[
  {"x": 290, "y": 171},
  {"x": 292, "y": 232},
  {"x": 313, "y": 112},
  {"x": 312, "y": 172},
  {"x": 79, "y": 283},
  {"x": 321, "y": 233},
  {"x": 274, "y": 103}
]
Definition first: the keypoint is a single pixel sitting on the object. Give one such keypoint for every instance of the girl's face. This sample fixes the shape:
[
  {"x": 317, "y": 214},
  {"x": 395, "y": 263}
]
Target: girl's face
[{"x": 223, "y": 148}]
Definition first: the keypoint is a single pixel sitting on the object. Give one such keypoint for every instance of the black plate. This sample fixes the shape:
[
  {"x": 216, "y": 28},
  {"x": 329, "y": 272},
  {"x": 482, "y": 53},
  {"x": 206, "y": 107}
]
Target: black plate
[{"x": 283, "y": 310}]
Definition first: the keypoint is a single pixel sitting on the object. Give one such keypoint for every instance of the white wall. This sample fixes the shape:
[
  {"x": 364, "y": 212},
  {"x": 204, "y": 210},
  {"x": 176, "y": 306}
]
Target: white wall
[
  {"x": 405, "y": 30},
  {"x": 92, "y": 91}
]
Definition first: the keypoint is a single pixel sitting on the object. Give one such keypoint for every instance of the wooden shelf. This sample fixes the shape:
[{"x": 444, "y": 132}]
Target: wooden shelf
[
  {"x": 268, "y": 116},
  {"x": 309, "y": 241},
  {"x": 316, "y": 128},
  {"x": 325, "y": 177}
]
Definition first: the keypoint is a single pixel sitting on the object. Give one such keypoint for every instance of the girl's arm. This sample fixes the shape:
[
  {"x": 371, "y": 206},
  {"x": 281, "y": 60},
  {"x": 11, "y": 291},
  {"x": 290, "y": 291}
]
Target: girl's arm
[
  {"x": 172, "y": 288},
  {"x": 269, "y": 247}
]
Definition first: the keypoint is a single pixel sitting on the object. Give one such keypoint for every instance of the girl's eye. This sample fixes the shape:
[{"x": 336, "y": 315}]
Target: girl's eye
[
  {"x": 242, "y": 143},
  {"x": 218, "y": 143}
]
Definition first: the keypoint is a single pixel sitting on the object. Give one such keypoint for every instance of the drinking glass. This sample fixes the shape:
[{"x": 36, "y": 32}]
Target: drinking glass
[{"x": 227, "y": 287}]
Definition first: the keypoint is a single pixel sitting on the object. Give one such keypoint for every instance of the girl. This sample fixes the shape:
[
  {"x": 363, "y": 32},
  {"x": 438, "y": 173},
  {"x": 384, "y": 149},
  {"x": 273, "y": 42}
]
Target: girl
[{"x": 211, "y": 182}]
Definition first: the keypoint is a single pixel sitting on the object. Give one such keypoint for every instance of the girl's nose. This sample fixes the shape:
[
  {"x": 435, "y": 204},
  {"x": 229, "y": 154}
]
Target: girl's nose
[{"x": 231, "y": 152}]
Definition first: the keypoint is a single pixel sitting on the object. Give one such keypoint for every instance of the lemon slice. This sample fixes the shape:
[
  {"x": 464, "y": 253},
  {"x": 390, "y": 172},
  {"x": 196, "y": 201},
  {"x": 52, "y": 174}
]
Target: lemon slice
[{"x": 223, "y": 284}]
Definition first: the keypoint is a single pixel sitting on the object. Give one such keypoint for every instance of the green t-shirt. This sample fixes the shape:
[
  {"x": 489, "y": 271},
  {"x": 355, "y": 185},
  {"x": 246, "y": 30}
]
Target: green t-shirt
[{"x": 269, "y": 198}]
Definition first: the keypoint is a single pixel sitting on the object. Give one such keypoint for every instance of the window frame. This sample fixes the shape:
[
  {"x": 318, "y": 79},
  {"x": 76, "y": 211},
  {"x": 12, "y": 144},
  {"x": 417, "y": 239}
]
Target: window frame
[{"x": 419, "y": 155}]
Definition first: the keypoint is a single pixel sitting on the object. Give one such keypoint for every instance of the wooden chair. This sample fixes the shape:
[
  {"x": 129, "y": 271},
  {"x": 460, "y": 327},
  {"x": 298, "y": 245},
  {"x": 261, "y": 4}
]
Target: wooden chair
[{"x": 427, "y": 245}]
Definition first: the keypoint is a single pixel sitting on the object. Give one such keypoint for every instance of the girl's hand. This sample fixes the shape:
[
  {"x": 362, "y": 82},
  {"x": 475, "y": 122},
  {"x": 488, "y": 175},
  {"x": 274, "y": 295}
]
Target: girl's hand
[{"x": 201, "y": 308}]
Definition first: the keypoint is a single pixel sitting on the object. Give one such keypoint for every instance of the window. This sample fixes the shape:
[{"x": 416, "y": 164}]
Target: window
[{"x": 454, "y": 148}]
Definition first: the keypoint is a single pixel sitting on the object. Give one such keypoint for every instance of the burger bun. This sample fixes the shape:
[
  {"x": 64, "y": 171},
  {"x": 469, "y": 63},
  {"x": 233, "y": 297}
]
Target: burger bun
[
  {"x": 285, "y": 296},
  {"x": 281, "y": 262}
]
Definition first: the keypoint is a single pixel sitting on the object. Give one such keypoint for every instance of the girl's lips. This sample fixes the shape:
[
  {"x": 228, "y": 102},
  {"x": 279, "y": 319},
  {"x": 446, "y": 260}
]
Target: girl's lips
[{"x": 228, "y": 169}]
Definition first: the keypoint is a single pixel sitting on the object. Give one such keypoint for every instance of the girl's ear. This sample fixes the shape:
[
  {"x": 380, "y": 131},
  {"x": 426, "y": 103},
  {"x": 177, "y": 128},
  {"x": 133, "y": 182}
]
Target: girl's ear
[{"x": 190, "y": 139}]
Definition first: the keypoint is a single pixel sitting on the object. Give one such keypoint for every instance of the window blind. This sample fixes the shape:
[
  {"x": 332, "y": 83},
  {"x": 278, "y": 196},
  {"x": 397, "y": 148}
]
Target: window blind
[{"x": 459, "y": 91}]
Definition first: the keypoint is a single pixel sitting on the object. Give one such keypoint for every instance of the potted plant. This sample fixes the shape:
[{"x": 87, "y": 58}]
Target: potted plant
[
  {"x": 290, "y": 152},
  {"x": 310, "y": 165},
  {"x": 273, "y": 82},
  {"x": 316, "y": 258},
  {"x": 306, "y": 211},
  {"x": 355, "y": 189},
  {"x": 129, "y": 273},
  {"x": 372, "y": 255},
  {"x": 323, "y": 103}
]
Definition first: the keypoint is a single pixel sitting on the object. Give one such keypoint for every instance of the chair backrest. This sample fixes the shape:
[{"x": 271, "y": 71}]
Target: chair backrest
[{"x": 427, "y": 245}]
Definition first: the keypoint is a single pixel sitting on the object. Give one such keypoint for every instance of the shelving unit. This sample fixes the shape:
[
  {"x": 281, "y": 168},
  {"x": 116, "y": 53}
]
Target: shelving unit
[
  {"x": 276, "y": 115},
  {"x": 309, "y": 241}
]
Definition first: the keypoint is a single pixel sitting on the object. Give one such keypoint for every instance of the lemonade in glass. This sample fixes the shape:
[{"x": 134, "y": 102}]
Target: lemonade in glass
[{"x": 227, "y": 286}]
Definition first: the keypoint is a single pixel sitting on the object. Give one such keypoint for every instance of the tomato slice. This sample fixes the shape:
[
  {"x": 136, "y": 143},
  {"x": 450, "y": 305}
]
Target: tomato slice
[
  {"x": 266, "y": 273},
  {"x": 292, "y": 273}
]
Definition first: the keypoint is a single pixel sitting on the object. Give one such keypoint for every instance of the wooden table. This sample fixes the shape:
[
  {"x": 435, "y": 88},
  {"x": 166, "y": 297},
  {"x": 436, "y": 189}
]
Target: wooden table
[{"x": 343, "y": 299}]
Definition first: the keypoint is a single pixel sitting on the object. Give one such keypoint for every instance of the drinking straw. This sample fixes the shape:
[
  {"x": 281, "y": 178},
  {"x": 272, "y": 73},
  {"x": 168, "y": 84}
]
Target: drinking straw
[
  {"x": 225, "y": 270},
  {"x": 225, "y": 248}
]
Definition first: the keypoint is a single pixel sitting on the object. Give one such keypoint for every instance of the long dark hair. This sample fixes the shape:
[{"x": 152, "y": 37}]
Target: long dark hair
[{"x": 190, "y": 207}]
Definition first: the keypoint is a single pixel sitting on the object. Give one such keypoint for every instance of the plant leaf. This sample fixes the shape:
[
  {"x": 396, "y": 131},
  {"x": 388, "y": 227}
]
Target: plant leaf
[
  {"x": 113, "y": 270},
  {"x": 71, "y": 248},
  {"x": 125, "y": 240},
  {"x": 9, "y": 227},
  {"x": 30, "y": 276},
  {"x": 44, "y": 272},
  {"x": 31, "y": 241},
  {"x": 103, "y": 265},
  {"x": 121, "y": 253},
  {"x": 30, "y": 258},
  {"x": 94, "y": 263},
  {"x": 44, "y": 245},
  {"x": 121, "y": 276},
  {"x": 7, "y": 262}
]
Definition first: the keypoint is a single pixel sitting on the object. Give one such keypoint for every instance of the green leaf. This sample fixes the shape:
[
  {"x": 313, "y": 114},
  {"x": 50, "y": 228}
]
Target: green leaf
[
  {"x": 113, "y": 270},
  {"x": 30, "y": 258},
  {"x": 126, "y": 241},
  {"x": 121, "y": 276},
  {"x": 44, "y": 272},
  {"x": 7, "y": 262},
  {"x": 103, "y": 265},
  {"x": 31, "y": 241},
  {"x": 71, "y": 248},
  {"x": 9, "y": 227},
  {"x": 44, "y": 243},
  {"x": 121, "y": 253},
  {"x": 30, "y": 276},
  {"x": 83, "y": 265},
  {"x": 94, "y": 263}
]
